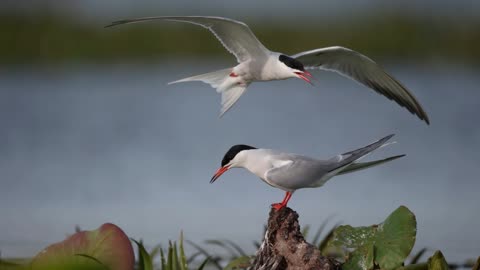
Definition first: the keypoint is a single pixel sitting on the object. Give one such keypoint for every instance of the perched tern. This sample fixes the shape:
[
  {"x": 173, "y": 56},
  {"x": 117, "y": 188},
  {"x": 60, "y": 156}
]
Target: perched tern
[
  {"x": 257, "y": 63},
  {"x": 290, "y": 172}
]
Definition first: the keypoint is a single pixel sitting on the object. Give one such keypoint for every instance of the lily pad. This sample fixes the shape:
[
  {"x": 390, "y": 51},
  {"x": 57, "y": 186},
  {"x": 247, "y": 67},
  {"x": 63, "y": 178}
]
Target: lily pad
[
  {"x": 386, "y": 244},
  {"x": 104, "y": 248}
]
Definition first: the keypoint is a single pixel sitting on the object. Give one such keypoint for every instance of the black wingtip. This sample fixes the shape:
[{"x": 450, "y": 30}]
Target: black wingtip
[
  {"x": 426, "y": 120},
  {"x": 388, "y": 137},
  {"x": 115, "y": 23},
  {"x": 395, "y": 157}
]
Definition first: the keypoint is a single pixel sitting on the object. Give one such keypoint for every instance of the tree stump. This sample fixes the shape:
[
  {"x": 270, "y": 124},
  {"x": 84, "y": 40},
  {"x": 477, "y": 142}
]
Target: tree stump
[{"x": 284, "y": 247}]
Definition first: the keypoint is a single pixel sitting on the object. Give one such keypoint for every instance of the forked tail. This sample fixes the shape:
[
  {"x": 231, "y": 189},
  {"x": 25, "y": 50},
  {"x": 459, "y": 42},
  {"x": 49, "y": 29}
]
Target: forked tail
[
  {"x": 357, "y": 166},
  {"x": 215, "y": 78},
  {"x": 347, "y": 159},
  {"x": 230, "y": 87}
]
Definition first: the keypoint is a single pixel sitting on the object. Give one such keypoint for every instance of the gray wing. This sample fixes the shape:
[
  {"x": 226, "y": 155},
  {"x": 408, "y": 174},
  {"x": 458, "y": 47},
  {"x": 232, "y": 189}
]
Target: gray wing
[
  {"x": 235, "y": 36},
  {"x": 292, "y": 172},
  {"x": 362, "y": 69}
]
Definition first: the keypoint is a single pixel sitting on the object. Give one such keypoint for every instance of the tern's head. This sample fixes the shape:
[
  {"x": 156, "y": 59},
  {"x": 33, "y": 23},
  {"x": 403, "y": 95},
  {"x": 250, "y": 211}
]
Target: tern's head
[
  {"x": 296, "y": 67},
  {"x": 233, "y": 158}
]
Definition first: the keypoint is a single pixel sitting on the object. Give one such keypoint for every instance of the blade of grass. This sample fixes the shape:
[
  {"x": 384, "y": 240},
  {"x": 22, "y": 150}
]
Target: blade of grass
[
  {"x": 236, "y": 247},
  {"x": 316, "y": 237},
  {"x": 145, "y": 262},
  {"x": 213, "y": 260},
  {"x": 203, "y": 264},
  {"x": 183, "y": 257},
  {"x": 154, "y": 252},
  {"x": 418, "y": 255},
  {"x": 170, "y": 256},
  {"x": 176, "y": 264},
  {"x": 305, "y": 231},
  {"x": 193, "y": 257},
  {"x": 221, "y": 244},
  {"x": 162, "y": 259}
]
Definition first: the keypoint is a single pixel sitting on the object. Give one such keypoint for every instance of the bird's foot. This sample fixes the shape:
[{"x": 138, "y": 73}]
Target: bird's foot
[{"x": 278, "y": 206}]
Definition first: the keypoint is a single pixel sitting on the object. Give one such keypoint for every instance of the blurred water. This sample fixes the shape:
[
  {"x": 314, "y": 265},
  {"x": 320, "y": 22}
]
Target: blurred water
[{"x": 94, "y": 144}]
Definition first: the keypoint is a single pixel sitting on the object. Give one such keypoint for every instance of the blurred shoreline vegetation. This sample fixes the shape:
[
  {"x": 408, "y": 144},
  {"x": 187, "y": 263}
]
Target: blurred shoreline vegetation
[{"x": 51, "y": 39}]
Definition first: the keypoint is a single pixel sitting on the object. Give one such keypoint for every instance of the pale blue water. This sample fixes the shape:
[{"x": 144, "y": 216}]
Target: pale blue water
[{"x": 94, "y": 144}]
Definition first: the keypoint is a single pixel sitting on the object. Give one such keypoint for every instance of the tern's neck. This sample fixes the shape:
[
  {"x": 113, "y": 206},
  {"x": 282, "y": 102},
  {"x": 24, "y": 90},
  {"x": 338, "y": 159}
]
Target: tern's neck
[
  {"x": 276, "y": 70},
  {"x": 256, "y": 161}
]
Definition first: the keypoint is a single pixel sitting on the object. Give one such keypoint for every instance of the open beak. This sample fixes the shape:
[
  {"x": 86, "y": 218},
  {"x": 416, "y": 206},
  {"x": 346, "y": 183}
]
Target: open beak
[
  {"x": 219, "y": 173},
  {"x": 305, "y": 75}
]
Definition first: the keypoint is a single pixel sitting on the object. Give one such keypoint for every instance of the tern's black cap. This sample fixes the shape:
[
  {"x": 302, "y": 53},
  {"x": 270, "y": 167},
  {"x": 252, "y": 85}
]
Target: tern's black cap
[
  {"x": 233, "y": 151},
  {"x": 291, "y": 62}
]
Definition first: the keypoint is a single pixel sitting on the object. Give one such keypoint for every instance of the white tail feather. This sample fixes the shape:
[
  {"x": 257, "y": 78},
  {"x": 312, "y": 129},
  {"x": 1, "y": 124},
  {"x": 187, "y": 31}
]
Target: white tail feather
[
  {"x": 381, "y": 146},
  {"x": 230, "y": 97},
  {"x": 230, "y": 87},
  {"x": 215, "y": 79}
]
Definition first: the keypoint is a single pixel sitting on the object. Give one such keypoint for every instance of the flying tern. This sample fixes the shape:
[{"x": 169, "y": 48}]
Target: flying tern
[
  {"x": 290, "y": 172},
  {"x": 257, "y": 63}
]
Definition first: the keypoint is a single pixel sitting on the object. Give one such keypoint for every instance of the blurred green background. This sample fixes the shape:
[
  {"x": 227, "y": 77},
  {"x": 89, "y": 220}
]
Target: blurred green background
[{"x": 49, "y": 37}]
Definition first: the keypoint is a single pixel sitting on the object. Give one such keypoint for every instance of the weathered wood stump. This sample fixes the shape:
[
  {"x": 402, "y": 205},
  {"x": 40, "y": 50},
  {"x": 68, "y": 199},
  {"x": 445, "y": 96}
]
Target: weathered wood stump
[{"x": 284, "y": 247}]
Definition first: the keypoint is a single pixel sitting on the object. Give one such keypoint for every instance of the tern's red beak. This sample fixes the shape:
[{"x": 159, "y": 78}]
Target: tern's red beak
[
  {"x": 304, "y": 75},
  {"x": 219, "y": 173}
]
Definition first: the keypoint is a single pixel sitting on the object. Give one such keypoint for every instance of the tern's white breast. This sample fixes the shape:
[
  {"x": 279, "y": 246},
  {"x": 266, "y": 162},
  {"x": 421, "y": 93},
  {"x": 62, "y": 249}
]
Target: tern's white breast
[
  {"x": 267, "y": 69},
  {"x": 275, "y": 70}
]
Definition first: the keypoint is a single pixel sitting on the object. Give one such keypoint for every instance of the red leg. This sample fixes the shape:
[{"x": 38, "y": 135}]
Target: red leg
[
  {"x": 279, "y": 206},
  {"x": 233, "y": 74}
]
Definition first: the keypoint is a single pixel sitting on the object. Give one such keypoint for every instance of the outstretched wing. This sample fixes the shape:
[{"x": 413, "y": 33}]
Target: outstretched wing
[
  {"x": 362, "y": 69},
  {"x": 235, "y": 36}
]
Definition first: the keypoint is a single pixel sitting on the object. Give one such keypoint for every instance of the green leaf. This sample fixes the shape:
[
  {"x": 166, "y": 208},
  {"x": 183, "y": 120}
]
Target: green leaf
[
  {"x": 94, "y": 259},
  {"x": 14, "y": 264},
  {"x": 183, "y": 257},
  {"x": 323, "y": 243},
  {"x": 386, "y": 244},
  {"x": 362, "y": 258},
  {"x": 437, "y": 262},
  {"x": 417, "y": 266},
  {"x": 239, "y": 263},
  {"x": 162, "y": 260},
  {"x": 144, "y": 259},
  {"x": 316, "y": 237},
  {"x": 170, "y": 256},
  {"x": 176, "y": 264},
  {"x": 106, "y": 247},
  {"x": 154, "y": 252}
]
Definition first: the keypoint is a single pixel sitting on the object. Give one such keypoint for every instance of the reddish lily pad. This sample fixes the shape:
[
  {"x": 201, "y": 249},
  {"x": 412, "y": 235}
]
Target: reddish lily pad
[{"x": 104, "y": 248}]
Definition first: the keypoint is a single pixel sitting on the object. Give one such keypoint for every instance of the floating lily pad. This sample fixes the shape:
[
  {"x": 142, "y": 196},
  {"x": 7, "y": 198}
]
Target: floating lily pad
[
  {"x": 104, "y": 248},
  {"x": 386, "y": 244}
]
